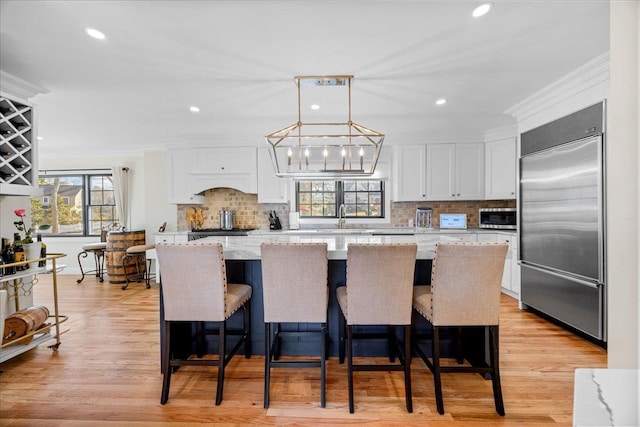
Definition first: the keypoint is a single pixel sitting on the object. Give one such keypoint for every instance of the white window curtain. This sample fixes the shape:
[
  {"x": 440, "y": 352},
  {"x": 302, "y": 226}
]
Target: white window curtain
[{"x": 120, "y": 176}]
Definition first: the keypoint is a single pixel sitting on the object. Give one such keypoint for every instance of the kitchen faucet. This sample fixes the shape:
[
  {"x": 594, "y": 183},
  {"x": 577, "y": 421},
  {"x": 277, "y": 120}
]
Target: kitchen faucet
[{"x": 342, "y": 216}]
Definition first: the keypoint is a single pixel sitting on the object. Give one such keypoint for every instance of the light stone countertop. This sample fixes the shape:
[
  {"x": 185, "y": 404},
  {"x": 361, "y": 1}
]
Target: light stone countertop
[
  {"x": 606, "y": 397},
  {"x": 248, "y": 247}
]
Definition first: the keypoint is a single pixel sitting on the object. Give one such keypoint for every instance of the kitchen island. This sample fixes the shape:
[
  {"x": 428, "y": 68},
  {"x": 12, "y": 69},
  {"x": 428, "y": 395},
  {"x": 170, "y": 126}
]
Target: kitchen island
[{"x": 242, "y": 254}]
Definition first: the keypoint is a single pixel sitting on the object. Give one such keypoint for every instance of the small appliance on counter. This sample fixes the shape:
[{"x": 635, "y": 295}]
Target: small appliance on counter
[
  {"x": 424, "y": 217},
  {"x": 227, "y": 219},
  {"x": 498, "y": 218},
  {"x": 453, "y": 221},
  {"x": 274, "y": 221}
]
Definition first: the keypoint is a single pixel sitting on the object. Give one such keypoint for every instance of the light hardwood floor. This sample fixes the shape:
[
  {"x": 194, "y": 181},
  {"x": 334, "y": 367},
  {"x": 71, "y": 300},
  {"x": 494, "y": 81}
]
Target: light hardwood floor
[{"x": 107, "y": 371}]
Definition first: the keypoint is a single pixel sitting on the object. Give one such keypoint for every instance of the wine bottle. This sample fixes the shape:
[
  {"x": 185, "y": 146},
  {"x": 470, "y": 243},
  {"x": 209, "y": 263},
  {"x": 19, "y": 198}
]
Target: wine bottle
[
  {"x": 19, "y": 253},
  {"x": 43, "y": 251},
  {"x": 9, "y": 257},
  {"x": 2, "y": 259}
]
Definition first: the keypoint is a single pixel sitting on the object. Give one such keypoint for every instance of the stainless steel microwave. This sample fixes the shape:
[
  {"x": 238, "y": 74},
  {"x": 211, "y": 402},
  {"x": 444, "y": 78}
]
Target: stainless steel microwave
[{"x": 500, "y": 218}]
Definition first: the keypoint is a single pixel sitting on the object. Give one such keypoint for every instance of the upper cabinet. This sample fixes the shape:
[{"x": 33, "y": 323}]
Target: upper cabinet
[
  {"x": 439, "y": 172},
  {"x": 500, "y": 169},
  {"x": 180, "y": 164},
  {"x": 409, "y": 180},
  {"x": 271, "y": 188},
  {"x": 18, "y": 148}
]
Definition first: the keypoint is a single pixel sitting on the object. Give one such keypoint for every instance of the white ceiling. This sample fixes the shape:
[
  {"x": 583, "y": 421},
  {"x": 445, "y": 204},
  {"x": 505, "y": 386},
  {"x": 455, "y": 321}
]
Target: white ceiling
[{"x": 236, "y": 61}]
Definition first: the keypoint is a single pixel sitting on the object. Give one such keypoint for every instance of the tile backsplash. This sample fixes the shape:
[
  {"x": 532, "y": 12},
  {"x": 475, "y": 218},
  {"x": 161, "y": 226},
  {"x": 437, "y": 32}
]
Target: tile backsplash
[{"x": 251, "y": 214}]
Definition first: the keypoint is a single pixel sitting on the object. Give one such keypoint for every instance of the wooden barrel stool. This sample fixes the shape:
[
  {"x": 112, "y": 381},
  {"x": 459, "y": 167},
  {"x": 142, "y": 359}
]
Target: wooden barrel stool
[
  {"x": 117, "y": 245},
  {"x": 143, "y": 265}
]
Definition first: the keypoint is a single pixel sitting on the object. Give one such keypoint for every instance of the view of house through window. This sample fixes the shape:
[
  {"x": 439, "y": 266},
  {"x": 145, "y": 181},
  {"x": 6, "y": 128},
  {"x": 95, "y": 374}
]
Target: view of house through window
[
  {"x": 74, "y": 205},
  {"x": 321, "y": 199}
]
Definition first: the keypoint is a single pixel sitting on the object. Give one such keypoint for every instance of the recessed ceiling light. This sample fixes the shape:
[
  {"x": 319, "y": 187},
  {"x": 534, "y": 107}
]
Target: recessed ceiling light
[
  {"x": 40, "y": 138},
  {"x": 315, "y": 107},
  {"x": 441, "y": 101},
  {"x": 481, "y": 10},
  {"x": 194, "y": 109},
  {"x": 95, "y": 33}
]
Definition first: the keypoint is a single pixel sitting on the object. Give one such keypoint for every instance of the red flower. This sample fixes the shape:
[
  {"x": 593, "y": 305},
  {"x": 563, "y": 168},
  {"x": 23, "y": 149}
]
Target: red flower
[{"x": 20, "y": 212}]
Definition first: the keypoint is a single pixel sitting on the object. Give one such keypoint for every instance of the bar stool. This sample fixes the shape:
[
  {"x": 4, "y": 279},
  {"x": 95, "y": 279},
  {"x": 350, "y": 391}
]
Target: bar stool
[
  {"x": 465, "y": 292},
  {"x": 194, "y": 288},
  {"x": 294, "y": 286},
  {"x": 97, "y": 249},
  {"x": 143, "y": 265},
  {"x": 379, "y": 291}
]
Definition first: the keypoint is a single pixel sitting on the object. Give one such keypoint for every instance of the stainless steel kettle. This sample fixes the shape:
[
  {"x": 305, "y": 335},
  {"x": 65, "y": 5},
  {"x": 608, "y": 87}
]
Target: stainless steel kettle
[{"x": 227, "y": 219}]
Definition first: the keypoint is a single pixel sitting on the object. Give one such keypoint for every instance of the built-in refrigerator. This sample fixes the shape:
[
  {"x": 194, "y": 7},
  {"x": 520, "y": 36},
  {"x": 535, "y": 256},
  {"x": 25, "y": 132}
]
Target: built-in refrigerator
[{"x": 562, "y": 220}]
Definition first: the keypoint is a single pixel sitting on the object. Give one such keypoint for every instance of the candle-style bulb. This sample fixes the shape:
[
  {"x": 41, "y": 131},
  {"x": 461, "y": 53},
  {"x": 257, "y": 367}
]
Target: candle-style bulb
[{"x": 289, "y": 154}]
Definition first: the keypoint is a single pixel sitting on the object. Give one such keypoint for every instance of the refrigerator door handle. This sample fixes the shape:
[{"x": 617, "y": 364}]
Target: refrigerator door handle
[{"x": 564, "y": 276}]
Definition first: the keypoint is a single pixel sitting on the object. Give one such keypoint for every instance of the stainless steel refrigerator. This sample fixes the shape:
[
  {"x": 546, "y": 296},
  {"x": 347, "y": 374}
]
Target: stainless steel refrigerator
[{"x": 562, "y": 221}]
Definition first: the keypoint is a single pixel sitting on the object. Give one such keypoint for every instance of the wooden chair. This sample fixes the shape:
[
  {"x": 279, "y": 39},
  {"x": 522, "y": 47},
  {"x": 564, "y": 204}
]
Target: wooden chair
[
  {"x": 294, "y": 286},
  {"x": 464, "y": 292},
  {"x": 194, "y": 289},
  {"x": 378, "y": 292}
]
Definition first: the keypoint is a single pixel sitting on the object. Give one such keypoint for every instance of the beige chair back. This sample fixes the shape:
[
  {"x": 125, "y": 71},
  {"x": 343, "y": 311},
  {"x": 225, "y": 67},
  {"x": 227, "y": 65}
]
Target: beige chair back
[
  {"x": 194, "y": 281},
  {"x": 465, "y": 283},
  {"x": 380, "y": 283},
  {"x": 294, "y": 282}
]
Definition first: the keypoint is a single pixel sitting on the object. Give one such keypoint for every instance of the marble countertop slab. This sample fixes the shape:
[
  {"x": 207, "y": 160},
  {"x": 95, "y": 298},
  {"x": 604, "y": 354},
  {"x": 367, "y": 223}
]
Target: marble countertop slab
[
  {"x": 248, "y": 247},
  {"x": 606, "y": 397}
]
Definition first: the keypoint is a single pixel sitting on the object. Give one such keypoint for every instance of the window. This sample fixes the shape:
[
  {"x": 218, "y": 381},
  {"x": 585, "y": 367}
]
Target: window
[
  {"x": 321, "y": 199},
  {"x": 74, "y": 205}
]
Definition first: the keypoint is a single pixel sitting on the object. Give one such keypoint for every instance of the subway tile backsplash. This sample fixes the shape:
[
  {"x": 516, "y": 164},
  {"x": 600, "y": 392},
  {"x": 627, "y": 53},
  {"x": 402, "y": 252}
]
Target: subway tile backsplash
[{"x": 251, "y": 214}]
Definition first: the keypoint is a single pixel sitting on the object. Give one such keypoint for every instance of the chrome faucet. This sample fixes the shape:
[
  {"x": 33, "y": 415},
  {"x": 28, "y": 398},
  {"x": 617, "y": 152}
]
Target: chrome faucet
[{"x": 342, "y": 216}]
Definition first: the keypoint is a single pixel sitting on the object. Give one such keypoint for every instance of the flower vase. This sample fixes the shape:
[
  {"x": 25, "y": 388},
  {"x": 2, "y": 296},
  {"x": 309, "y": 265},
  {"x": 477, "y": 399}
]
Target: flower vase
[{"x": 32, "y": 251}]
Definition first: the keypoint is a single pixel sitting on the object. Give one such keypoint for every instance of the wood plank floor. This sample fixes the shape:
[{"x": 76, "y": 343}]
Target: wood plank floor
[{"x": 107, "y": 371}]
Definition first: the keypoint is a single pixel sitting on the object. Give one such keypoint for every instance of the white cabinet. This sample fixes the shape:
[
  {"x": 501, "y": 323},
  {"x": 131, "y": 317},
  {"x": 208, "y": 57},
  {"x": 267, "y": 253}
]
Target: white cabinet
[
  {"x": 455, "y": 171},
  {"x": 500, "y": 169},
  {"x": 438, "y": 172},
  {"x": 511, "y": 274},
  {"x": 18, "y": 154},
  {"x": 165, "y": 238},
  {"x": 232, "y": 167},
  {"x": 180, "y": 163},
  {"x": 409, "y": 179},
  {"x": 271, "y": 188}
]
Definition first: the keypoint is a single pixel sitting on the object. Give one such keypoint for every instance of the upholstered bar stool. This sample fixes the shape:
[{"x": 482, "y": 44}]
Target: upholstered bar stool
[
  {"x": 294, "y": 286},
  {"x": 141, "y": 264},
  {"x": 194, "y": 289},
  {"x": 97, "y": 250},
  {"x": 379, "y": 292},
  {"x": 464, "y": 292}
]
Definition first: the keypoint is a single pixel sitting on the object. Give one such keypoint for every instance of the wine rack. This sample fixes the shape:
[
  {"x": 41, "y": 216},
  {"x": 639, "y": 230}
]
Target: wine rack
[{"x": 17, "y": 150}]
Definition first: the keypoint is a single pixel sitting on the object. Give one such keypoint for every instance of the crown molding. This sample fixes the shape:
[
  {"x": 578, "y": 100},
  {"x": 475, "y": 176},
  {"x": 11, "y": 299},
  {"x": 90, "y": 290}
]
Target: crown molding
[
  {"x": 504, "y": 132},
  {"x": 18, "y": 87},
  {"x": 585, "y": 77}
]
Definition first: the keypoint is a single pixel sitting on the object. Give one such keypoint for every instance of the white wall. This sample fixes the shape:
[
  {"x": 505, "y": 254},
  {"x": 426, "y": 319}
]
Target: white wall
[
  {"x": 623, "y": 186},
  {"x": 138, "y": 200}
]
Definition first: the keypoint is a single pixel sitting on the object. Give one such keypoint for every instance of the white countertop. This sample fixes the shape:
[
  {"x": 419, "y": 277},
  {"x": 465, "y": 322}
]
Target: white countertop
[
  {"x": 248, "y": 247},
  {"x": 606, "y": 397}
]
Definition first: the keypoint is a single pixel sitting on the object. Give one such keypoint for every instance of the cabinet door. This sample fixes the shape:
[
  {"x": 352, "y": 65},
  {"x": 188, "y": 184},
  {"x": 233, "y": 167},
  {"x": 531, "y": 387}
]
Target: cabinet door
[
  {"x": 225, "y": 160},
  {"x": 409, "y": 173},
  {"x": 271, "y": 188},
  {"x": 180, "y": 164},
  {"x": 469, "y": 171},
  {"x": 441, "y": 171},
  {"x": 500, "y": 169}
]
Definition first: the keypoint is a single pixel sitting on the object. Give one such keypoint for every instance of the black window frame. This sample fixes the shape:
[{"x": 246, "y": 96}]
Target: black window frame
[
  {"x": 340, "y": 198},
  {"x": 87, "y": 205}
]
